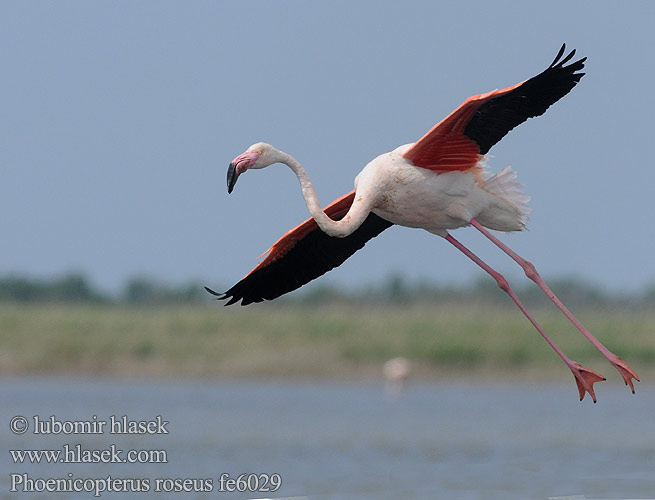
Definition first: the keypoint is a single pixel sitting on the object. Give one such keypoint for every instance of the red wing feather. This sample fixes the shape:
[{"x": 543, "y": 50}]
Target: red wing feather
[
  {"x": 445, "y": 147},
  {"x": 335, "y": 210}
]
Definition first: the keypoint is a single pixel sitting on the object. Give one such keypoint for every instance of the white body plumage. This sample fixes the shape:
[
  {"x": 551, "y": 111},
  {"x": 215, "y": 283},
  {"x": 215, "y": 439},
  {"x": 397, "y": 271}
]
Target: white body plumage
[{"x": 399, "y": 192}]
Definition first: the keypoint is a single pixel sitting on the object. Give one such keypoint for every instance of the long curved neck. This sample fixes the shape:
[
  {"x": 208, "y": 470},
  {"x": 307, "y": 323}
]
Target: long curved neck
[{"x": 341, "y": 228}]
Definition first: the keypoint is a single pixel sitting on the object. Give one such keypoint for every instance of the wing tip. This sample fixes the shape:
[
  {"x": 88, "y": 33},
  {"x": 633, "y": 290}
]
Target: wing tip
[
  {"x": 558, "y": 62},
  {"x": 559, "y": 54},
  {"x": 215, "y": 294},
  {"x": 233, "y": 296},
  {"x": 223, "y": 296}
]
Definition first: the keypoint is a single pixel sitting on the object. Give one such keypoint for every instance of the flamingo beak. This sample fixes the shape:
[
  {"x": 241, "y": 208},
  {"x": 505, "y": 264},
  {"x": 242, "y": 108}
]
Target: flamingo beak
[{"x": 232, "y": 177}]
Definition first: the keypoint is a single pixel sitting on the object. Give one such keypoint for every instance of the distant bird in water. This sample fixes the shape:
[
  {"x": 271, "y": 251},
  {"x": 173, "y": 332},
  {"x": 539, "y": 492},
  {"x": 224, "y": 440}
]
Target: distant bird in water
[
  {"x": 437, "y": 184},
  {"x": 396, "y": 372}
]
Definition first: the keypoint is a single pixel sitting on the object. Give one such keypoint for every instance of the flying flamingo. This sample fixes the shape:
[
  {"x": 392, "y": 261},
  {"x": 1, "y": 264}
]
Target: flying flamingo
[{"x": 437, "y": 184}]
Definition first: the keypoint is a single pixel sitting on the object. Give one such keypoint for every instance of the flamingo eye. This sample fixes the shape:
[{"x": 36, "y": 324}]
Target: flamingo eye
[{"x": 259, "y": 152}]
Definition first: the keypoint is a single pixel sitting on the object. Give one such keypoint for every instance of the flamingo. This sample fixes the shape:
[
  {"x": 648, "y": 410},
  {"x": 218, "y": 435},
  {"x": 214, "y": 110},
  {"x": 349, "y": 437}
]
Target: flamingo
[
  {"x": 438, "y": 184},
  {"x": 396, "y": 372}
]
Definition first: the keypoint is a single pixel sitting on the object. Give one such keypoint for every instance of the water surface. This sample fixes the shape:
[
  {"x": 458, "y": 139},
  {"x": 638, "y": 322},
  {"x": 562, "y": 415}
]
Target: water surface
[{"x": 350, "y": 440}]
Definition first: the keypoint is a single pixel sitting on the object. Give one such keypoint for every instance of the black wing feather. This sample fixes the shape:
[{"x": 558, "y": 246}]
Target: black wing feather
[
  {"x": 496, "y": 117},
  {"x": 311, "y": 256}
]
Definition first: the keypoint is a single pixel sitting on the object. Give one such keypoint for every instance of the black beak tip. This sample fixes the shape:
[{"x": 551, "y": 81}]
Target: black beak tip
[{"x": 231, "y": 177}]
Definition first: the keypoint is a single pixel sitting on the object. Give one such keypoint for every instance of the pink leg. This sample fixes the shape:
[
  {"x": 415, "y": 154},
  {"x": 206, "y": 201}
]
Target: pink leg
[
  {"x": 584, "y": 377},
  {"x": 624, "y": 369}
]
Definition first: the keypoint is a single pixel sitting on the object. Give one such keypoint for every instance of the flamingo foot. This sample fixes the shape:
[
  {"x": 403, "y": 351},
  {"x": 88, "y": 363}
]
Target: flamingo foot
[
  {"x": 585, "y": 379},
  {"x": 625, "y": 370}
]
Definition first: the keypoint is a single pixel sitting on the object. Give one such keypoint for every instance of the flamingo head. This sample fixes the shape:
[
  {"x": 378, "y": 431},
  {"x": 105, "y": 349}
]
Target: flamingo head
[{"x": 258, "y": 155}]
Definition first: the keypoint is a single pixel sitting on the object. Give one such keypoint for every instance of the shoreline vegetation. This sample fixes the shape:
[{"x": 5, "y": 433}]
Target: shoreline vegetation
[
  {"x": 76, "y": 288},
  {"x": 467, "y": 333}
]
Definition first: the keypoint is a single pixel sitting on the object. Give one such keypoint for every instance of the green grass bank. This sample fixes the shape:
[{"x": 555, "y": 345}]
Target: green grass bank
[{"x": 335, "y": 341}]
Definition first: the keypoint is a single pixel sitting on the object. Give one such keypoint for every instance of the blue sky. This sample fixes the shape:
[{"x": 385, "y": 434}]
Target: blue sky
[{"x": 120, "y": 119}]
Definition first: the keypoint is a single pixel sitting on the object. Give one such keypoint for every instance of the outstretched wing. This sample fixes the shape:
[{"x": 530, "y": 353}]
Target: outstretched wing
[
  {"x": 456, "y": 142},
  {"x": 301, "y": 255}
]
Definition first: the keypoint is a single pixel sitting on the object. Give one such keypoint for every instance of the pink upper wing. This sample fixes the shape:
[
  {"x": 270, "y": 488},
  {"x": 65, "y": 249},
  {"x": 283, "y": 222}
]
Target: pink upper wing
[{"x": 456, "y": 142}]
